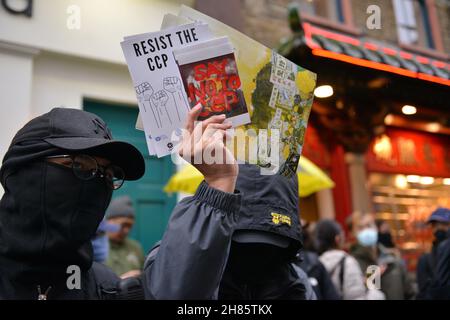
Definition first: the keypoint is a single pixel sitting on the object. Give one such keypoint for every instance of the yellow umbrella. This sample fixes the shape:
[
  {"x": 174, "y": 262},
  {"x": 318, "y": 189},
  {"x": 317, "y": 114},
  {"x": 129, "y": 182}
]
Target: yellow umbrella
[{"x": 311, "y": 179}]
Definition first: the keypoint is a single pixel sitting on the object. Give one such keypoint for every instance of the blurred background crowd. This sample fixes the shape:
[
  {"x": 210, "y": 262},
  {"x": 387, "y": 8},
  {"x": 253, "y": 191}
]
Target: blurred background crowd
[{"x": 338, "y": 266}]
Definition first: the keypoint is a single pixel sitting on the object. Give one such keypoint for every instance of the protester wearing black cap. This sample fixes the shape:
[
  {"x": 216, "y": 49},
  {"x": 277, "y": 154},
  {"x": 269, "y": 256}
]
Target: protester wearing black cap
[
  {"x": 439, "y": 221},
  {"x": 266, "y": 240},
  {"x": 126, "y": 257},
  {"x": 267, "y": 236},
  {"x": 59, "y": 174}
]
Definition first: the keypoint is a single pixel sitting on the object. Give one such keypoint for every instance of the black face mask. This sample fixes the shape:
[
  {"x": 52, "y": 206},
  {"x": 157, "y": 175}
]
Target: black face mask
[
  {"x": 260, "y": 271},
  {"x": 76, "y": 207},
  {"x": 47, "y": 218},
  {"x": 385, "y": 238},
  {"x": 440, "y": 235},
  {"x": 255, "y": 263}
]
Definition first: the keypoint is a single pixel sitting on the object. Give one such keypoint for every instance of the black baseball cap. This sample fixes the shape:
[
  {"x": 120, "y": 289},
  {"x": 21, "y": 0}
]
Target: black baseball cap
[
  {"x": 269, "y": 210},
  {"x": 256, "y": 236},
  {"x": 78, "y": 131}
]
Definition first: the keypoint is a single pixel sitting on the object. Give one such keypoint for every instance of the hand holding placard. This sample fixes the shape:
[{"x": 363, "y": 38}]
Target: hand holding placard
[{"x": 201, "y": 136}]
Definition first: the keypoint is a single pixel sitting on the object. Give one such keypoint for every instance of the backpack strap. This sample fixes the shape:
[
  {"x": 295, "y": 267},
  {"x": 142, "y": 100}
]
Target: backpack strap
[
  {"x": 342, "y": 272},
  {"x": 341, "y": 266}
]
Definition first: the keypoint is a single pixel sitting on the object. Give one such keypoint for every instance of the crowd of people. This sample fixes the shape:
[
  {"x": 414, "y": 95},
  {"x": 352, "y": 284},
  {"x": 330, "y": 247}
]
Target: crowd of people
[
  {"x": 238, "y": 237},
  {"x": 351, "y": 269},
  {"x": 334, "y": 269}
]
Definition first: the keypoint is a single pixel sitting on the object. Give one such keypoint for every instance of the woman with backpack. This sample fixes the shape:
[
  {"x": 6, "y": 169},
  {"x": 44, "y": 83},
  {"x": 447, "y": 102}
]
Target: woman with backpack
[{"x": 342, "y": 267}]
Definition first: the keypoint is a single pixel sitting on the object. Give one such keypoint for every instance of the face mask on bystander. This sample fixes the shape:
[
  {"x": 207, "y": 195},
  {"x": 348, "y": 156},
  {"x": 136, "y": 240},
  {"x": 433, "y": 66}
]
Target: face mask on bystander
[{"x": 367, "y": 237}]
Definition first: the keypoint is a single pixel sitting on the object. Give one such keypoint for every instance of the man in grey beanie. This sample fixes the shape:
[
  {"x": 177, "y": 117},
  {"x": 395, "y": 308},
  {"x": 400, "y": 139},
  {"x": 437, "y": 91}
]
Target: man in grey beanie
[{"x": 126, "y": 257}]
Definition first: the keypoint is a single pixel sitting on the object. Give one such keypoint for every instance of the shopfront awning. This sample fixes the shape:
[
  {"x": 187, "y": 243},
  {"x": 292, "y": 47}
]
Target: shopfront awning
[{"x": 376, "y": 55}]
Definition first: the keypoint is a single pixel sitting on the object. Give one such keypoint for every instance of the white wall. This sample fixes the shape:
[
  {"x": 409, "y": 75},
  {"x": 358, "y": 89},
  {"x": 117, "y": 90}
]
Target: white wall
[
  {"x": 44, "y": 64},
  {"x": 64, "y": 81},
  {"x": 15, "y": 92},
  {"x": 31, "y": 85},
  {"x": 103, "y": 25}
]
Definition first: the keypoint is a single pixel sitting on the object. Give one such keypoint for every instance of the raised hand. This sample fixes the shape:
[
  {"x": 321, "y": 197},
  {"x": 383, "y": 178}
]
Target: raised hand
[{"x": 205, "y": 138}]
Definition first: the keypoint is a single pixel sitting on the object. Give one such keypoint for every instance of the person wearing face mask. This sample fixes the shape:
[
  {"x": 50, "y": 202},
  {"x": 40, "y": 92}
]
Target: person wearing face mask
[
  {"x": 126, "y": 257},
  {"x": 266, "y": 239},
  {"x": 100, "y": 242},
  {"x": 384, "y": 234},
  {"x": 395, "y": 281},
  {"x": 267, "y": 236},
  {"x": 439, "y": 222},
  {"x": 385, "y": 238},
  {"x": 59, "y": 174},
  {"x": 342, "y": 267}
]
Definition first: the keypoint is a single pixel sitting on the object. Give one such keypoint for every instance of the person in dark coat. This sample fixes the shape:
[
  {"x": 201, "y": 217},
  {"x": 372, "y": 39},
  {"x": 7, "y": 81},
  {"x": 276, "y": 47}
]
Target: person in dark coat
[
  {"x": 59, "y": 174},
  {"x": 266, "y": 238},
  {"x": 440, "y": 289},
  {"x": 318, "y": 275},
  {"x": 427, "y": 272}
]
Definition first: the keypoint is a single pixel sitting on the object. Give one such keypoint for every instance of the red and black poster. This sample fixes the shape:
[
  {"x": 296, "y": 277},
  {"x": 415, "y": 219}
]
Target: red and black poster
[{"x": 215, "y": 83}]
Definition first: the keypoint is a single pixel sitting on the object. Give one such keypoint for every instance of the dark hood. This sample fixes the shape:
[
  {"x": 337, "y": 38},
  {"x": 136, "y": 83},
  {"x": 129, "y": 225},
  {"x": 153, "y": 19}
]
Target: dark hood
[
  {"x": 75, "y": 131},
  {"x": 269, "y": 203},
  {"x": 47, "y": 217}
]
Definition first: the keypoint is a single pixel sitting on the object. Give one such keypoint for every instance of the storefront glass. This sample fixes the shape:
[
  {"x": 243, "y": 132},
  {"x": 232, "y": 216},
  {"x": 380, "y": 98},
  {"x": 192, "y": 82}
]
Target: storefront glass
[
  {"x": 409, "y": 178},
  {"x": 406, "y": 202}
]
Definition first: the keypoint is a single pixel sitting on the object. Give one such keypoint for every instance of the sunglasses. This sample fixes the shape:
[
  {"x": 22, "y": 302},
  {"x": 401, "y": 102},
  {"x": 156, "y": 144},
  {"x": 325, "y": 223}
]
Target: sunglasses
[{"x": 86, "y": 167}]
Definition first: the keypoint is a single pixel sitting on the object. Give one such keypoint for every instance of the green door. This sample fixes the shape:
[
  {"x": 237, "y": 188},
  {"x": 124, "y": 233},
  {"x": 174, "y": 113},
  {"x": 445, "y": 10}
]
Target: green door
[{"x": 153, "y": 207}]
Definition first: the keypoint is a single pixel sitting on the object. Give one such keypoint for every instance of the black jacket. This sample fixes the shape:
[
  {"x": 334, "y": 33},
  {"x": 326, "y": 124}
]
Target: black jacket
[
  {"x": 440, "y": 288},
  {"x": 260, "y": 271},
  {"x": 318, "y": 276},
  {"x": 289, "y": 282},
  {"x": 192, "y": 256},
  {"x": 48, "y": 217},
  {"x": 189, "y": 264},
  {"x": 426, "y": 273},
  {"x": 269, "y": 204}
]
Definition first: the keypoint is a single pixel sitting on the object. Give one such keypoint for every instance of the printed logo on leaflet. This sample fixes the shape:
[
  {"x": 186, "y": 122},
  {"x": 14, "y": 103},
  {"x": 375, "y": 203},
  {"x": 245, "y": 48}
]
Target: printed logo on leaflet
[
  {"x": 163, "y": 137},
  {"x": 278, "y": 218}
]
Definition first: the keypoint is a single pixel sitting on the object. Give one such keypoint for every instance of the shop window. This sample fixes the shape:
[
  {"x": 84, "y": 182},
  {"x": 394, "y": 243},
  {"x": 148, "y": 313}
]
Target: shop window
[
  {"x": 413, "y": 25},
  {"x": 406, "y": 202},
  {"x": 328, "y": 9}
]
